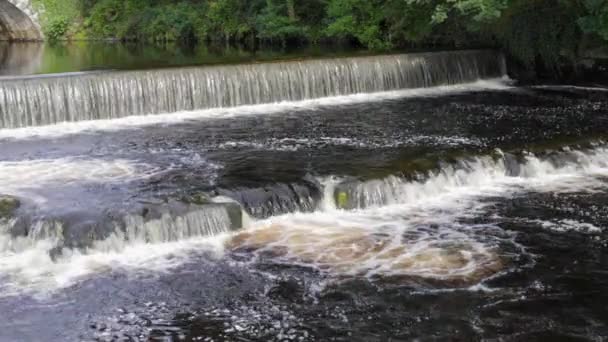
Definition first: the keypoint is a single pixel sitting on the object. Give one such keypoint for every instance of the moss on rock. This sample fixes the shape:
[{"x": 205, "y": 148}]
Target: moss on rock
[{"x": 8, "y": 206}]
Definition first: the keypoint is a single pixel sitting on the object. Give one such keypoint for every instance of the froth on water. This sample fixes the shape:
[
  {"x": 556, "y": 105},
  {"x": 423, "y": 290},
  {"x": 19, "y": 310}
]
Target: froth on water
[{"x": 446, "y": 257}]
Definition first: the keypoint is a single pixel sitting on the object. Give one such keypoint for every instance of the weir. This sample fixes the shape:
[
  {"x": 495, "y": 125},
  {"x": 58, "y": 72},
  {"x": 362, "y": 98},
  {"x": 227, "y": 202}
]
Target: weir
[
  {"x": 36, "y": 101},
  {"x": 113, "y": 231},
  {"x": 153, "y": 223}
]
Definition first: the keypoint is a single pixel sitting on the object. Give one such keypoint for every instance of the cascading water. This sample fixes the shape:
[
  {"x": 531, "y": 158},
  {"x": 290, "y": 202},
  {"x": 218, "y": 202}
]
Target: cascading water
[
  {"x": 156, "y": 224},
  {"x": 31, "y": 101},
  {"x": 466, "y": 173},
  {"x": 462, "y": 174},
  {"x": 358, "y": 241},
  {"x": 469, "y": 172},
  {"x": 463, "y": 200},
  {"x": 160, "y": 223},
  {"x": 402, "y": 227}
]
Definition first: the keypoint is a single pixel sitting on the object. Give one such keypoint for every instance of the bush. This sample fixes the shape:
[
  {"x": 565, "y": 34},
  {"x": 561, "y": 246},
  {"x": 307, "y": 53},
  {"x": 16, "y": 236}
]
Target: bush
[
  {"x": 546, "y": 33},
  {"x": 57, "y": 28},
  {"x": 60, "y": 17},
  {"x": 138, "y": 19}
]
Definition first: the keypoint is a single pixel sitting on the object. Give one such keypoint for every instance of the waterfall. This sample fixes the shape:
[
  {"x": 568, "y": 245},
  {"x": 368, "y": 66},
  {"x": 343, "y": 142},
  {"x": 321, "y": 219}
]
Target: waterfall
[
  {"x": 114, "y": 232},
  {"x": 466, "y": 175},
  {"x": 36, "y": 101}
]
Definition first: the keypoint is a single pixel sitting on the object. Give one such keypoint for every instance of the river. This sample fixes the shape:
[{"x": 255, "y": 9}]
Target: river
[{"x": 348, "y": 198}]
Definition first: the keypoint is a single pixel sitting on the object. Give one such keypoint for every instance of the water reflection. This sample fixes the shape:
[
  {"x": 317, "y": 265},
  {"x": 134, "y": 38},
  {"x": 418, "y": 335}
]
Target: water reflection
[
  {"x": 20, "y": 58},
  {"x": 39, "y": 58}
]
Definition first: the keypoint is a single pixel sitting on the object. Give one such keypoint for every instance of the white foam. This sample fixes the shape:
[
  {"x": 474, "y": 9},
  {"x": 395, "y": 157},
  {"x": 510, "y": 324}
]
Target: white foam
[
  {"x": 414, "y": 234},
  {"x": 27, "y": 265},
  {"x": 174, "y": 118},
  {"x": 485, "y": 172},
  {"x": 410, "y": 228},
  {"x": 378, "y": 244},
  {"x": 20, "y": 177},
  {"x": 569, "y": 225},
  {"x": 33, "y": 270}
]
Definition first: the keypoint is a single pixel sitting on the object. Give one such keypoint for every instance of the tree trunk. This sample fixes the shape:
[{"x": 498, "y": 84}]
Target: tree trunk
[{"x": 291, "y": 10}]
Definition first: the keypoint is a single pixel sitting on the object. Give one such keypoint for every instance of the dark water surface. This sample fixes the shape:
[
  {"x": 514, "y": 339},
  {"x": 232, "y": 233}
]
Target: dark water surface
[
  {"x": 466, "y": 212},
  {"x": 510, "y": 258}
]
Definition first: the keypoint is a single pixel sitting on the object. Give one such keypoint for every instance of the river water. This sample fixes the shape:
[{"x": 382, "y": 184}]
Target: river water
[
  {"x": 64, "y": 57},
  {"x": 417, "y": 196}
]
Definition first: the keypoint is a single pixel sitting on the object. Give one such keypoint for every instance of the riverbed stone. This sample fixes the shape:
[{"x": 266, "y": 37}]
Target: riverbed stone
[
  {"x": 344, "y": 194},
  {"x": 8, "y": 206},
  {"x": 235, "y": 213},
  {"x": 197, "y": 198},
  {"x": 276, "y": 199}
]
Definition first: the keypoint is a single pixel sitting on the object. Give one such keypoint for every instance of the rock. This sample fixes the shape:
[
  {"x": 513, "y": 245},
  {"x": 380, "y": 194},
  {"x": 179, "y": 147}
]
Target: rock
[
  {"x": 197, "y": 198},
  {"x": 345, "y": 194},
  {"x": 8, "y": 206},
  {"x": 18, "y": 22},
  {"x": 513, "y": 164},
  {"x": 287, "y": 289},
  {"x": 276, "y": 199},
  {"x": 342, "y": 199},
  {"x": 235, "y": 213}
]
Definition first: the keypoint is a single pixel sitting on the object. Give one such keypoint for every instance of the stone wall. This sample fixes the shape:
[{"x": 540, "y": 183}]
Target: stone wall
[{"x": 18, "y": 21}]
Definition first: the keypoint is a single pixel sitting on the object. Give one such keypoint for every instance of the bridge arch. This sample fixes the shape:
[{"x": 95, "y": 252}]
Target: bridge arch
[{"x": 18, "y": 21}]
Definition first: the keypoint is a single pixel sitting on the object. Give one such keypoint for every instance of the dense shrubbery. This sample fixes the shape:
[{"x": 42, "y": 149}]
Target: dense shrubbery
[
  {"x": 60, "y": 16},
  {"x": 139, "y": 20},
  {"x": 546, "y": 32}
]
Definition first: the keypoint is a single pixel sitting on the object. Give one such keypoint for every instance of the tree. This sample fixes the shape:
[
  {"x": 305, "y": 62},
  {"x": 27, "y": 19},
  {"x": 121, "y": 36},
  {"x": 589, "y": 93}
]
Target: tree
[
  {"x": 278, "y": 21},
  {"x": 595, "y": 21},
  {"x": 361, "y": 19}
]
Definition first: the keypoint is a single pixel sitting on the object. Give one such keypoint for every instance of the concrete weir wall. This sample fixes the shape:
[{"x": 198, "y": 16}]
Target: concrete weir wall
[{"x": 18, "y": 21}]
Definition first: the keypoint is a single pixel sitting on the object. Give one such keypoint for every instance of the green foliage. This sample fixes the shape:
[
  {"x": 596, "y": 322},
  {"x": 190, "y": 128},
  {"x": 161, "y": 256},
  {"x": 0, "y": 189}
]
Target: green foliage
[
  {"x": 275, "y": 23},
  {"x": 533, "y": 31},
  {"x": 409, "y": 22},
  {"x": 57, "y": 28},
  {"x": 230, "y": 19},
  {"x": 596, "y": 19},
  {"x": 362, "y": 19},
  {"x": 104, "y": 18},
  {"x": 60, "y": 16},
  {"x": 549, "y": 32},
  {"x": 477, "y": 10},
  {"x": 166, "y": 23},
  {"x": 139, "y": 19}
]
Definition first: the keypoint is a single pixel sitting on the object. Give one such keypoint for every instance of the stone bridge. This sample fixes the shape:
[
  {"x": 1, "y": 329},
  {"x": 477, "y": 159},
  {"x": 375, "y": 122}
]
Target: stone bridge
[{"x": 19, "y": 21}]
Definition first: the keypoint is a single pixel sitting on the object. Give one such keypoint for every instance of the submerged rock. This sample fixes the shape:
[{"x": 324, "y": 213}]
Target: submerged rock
[
  {"x": 8, "y": 206},
  {"x": 277, "y": 199},
  {"x": 355, "y": 194},
  {"x": 197, "y": 198}
]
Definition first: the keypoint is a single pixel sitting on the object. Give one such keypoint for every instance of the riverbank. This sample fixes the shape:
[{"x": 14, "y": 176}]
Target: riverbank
[{"x": 546, "y": 39}]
